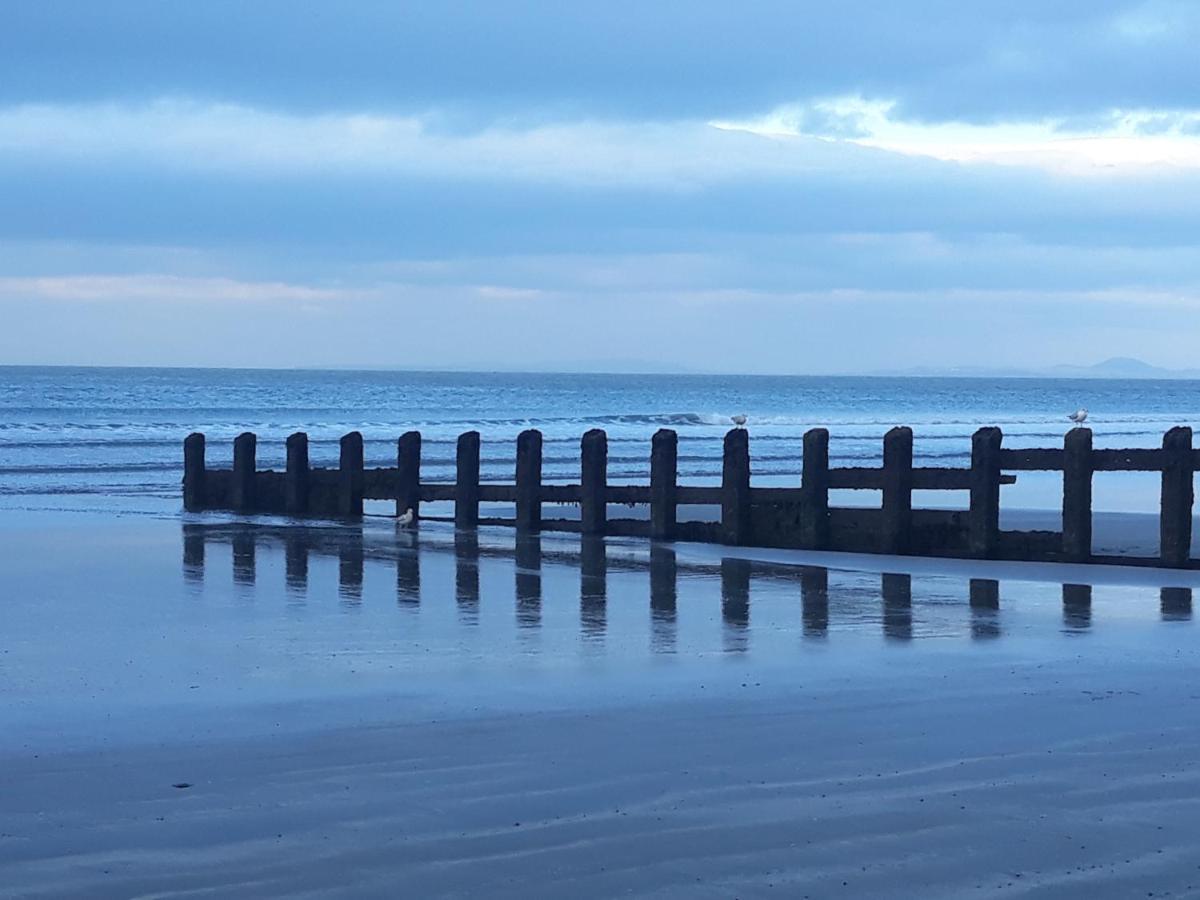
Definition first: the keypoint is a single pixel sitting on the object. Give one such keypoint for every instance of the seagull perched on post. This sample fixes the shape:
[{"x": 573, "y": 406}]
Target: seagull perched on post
[
  {"x": 1078, "y": 417},
  {"x": 739, "y": 421}
]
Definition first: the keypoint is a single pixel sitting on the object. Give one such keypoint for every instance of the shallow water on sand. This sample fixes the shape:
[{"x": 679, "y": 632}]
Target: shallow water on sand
[
  {"x": 149, "y": 613},
  {"x": 258, "y": 708}
]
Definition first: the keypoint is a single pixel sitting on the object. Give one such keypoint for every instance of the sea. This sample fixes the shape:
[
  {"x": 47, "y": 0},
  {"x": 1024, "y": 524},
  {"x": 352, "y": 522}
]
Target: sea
[{"x": 99, "y": 437}]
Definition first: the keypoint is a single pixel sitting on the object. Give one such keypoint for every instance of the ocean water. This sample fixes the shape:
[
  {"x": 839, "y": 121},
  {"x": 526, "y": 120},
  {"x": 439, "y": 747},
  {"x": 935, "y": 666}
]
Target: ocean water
[{"x": 96, "y": 434}]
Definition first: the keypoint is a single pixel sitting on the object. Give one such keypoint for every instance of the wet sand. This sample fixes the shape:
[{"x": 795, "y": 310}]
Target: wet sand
[{"x": 363, "y": 716}]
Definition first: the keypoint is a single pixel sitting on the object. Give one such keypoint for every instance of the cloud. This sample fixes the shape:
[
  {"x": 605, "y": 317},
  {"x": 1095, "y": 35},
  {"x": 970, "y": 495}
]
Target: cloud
[
  {"x": 152, "y": 288},
  {"x": 992, "y": 60}
]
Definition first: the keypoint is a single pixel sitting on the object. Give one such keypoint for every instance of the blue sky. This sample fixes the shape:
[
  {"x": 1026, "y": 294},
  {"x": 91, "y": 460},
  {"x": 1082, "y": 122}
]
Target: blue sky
[{"x": 760, "y": 186}]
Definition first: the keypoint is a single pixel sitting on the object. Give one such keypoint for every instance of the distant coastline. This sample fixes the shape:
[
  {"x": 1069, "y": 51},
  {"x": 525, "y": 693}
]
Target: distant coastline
[{"x": 1116, "y": 369}]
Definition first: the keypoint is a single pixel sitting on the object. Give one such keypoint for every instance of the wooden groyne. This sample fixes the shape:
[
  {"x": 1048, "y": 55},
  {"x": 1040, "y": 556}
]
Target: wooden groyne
[{"x": 786, "y": 517}]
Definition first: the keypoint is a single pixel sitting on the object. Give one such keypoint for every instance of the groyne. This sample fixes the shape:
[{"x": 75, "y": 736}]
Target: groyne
[{"x": 799, "y": 517}]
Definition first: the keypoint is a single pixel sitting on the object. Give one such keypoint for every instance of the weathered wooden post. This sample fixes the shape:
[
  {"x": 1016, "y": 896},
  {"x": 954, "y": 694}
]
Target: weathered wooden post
[
  {"x": 193, "y": 472},
  {"x": 408, "y": 474},
  {"x": 664, "y": 475},
  {"x": 466, "y": 486},
  {"x": 1175, "y": 520},
  {"x": 529, "y": 481},
  {"x": 983, "y": 519},
  {"x": 242, "y": 489},
  {"x": 593, "y": 485},
  {"x": 295, "y": 479},
  {"x": 735, "y": 488},
  {"x": 350, "y": 476},
  {"x": 814, "y": 482},
  {"x": 1077, "y": 495},
  {"x": 897, "y": 490}
]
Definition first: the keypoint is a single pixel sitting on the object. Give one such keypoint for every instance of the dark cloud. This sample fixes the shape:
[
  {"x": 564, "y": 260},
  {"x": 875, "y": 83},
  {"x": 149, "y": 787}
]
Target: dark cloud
[{"x": 534, "y": 60}]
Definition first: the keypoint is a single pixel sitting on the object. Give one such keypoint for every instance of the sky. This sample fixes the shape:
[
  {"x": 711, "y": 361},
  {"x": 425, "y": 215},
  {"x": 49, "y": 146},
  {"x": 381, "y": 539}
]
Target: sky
[{"x": 760, "y": 186}]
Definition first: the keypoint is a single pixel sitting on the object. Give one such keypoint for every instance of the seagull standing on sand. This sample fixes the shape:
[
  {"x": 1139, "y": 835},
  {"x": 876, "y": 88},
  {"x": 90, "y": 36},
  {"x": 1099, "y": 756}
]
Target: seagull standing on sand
[
  {"x": 407, "y": 519},
  {"x": 1078, "y": 417},
  {"x": 739, "y": 421}
]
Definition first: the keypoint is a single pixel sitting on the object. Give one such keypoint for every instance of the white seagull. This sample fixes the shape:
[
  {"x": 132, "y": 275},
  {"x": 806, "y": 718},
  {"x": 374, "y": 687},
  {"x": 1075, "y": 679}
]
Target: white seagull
[
  {"x": 1078, "y": 417},
  {"x": 739, "y": 421},
  {"x": 407, "y": 519}
]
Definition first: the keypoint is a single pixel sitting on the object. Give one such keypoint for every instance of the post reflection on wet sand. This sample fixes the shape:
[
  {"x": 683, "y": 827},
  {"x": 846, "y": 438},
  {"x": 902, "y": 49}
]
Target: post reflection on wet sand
[
  {"x": 593, "y": 587},
  {"x": 814, "y": 601},
  {"x": 193, "y": 555},
  {"x": 985, "y": 608},
  {"x": 350, "y": 566},
  {"x": 528, "y": 560},
  {"x": 1176, "y": 604},
  {"x": 408, "y": 572},
  {"x": 1077, "y": 607},
  {"x": 664, "y": 597},
  {"x": 243, "y": 542},
  {"x": 295, "y": 553},
  {"x": 897, "y": 606},
  {"x": 534, "y": 559},
  {"x": 735, "y": 604},
  {"x": 466, "y": 575}
]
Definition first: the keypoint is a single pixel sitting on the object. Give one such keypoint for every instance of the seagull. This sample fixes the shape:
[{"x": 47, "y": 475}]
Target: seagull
[
  {"x": 407, "y": 519},
  {"x": 739, "y": 420},
  {"x": 1078, "y": 417}
]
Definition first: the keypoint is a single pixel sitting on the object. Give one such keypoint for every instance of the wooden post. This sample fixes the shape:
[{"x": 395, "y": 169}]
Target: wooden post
[
  {"x": 529, "y": 481},
  {"x": 1077, "y": 495},
  {"x": 350, "y": 476},
  {"x": 1175, "y": 521},
  {"x": 735, "y": 488},
  {"x": 897, "y": 490},
  {"x": 664, "y": 475},
  {"x": 466, "y": 488},
  {"x": 983, "y": 519},
  {"x": 193, "y": 472},
  {"x": 593, "y": 485},
  {"x": 408, "y": 474},
  {"x": 295, "y": 482},
  {"x": 242, "y": 494},
  {"x": 814, "y": 481}
]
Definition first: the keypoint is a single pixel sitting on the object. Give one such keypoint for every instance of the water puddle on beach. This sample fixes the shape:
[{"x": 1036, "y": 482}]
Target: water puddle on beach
[{"x": 494, "y": 595}]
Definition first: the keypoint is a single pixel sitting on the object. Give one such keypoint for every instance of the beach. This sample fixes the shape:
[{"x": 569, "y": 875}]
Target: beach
[{"x": 435, "y": 717}]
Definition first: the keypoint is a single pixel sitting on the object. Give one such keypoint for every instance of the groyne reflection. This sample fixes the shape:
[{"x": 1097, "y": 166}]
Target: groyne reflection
[{"x": 646, "y": 575}]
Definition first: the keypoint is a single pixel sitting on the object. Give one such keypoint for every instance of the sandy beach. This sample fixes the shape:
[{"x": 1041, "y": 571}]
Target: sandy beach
[{"x": 431, "y": 717}]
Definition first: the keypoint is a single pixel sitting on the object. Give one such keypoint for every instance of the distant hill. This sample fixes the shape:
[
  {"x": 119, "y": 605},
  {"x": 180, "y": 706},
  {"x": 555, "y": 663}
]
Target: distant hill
[{"x": 1117, "y": 367}]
